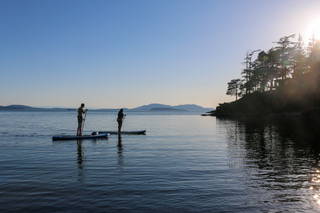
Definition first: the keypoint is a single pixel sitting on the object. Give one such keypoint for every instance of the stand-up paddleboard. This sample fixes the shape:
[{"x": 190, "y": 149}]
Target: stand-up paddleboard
[
  {"x": 140, "y": 132},
  {"x": 74, "y": 137}
]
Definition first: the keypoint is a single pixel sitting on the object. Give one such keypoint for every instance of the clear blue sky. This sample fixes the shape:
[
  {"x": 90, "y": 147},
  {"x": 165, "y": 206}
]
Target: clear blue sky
[{"x": 128, "y": 53}]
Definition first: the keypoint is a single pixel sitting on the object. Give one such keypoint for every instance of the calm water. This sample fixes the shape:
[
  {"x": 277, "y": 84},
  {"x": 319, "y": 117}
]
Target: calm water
[{"x": 185, "y": 163}]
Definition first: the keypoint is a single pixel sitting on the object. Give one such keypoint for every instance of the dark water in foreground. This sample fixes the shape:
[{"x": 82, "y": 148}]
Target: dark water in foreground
[{"x": 185, "y": 163}]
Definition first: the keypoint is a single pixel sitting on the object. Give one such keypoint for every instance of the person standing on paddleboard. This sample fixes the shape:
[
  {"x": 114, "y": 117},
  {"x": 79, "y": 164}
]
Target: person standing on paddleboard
[
  {"x": 120, "y": 118},
  {"x": 81, "y": 112}
]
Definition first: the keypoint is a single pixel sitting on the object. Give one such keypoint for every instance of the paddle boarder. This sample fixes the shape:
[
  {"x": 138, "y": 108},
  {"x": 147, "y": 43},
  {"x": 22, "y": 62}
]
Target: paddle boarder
[
  {"x": 120, "y": 120},
  {"x": 81, "y": 112}
]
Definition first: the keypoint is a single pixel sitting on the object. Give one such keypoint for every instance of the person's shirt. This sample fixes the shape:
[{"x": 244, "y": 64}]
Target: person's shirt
[
  {"x": 80, "y": 112},
  {"x": 120, "y": 116}
]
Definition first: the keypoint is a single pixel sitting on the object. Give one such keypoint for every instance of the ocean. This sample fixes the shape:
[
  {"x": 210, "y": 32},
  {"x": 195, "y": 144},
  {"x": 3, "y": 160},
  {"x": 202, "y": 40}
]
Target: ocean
[{"x": 185, "y": 163}]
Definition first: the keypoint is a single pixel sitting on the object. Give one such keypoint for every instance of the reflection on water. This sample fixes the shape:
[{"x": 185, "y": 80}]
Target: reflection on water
[
  {"x": 80, "y": 161},
  {"x": 120, "y": 149},
  {"x": 280, "y": 160},
  {"x": 185, "y": 163},
  {"x": 120, "y": 142},
  {"x": 80, "y": 154}
]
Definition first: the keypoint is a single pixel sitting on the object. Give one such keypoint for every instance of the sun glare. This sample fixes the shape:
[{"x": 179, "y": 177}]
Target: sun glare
[{"x": 312, "y": 31}]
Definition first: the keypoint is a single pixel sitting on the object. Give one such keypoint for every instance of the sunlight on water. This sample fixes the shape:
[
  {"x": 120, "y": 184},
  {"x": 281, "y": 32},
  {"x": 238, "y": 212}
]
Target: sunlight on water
[{"x": 315, "y": 186}]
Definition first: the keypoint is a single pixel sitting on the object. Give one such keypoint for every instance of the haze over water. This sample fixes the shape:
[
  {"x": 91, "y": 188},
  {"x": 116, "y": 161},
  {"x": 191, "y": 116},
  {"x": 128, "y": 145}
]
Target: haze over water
[{"x": 185, "y": 163}]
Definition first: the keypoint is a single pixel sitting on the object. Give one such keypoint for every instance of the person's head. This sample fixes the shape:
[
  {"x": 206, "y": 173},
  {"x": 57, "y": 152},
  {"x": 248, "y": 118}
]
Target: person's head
[
  {"x": 121, "y": 110},
  {"x": 82, "y": 105}
]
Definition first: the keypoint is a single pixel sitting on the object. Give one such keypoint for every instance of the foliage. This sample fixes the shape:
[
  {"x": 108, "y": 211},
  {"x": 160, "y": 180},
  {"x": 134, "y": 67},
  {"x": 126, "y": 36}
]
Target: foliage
[
  {"x": 234, "y": 87},
  {"x": 269, "y": 70}
]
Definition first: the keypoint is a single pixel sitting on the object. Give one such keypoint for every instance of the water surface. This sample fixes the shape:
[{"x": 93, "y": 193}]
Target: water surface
[{"x": 185, "y": 163}]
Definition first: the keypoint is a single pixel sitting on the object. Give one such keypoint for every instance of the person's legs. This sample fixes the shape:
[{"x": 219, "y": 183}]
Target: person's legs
[
  {"x": 119, "y": 126},
  {"x": 79, "y": 130}
]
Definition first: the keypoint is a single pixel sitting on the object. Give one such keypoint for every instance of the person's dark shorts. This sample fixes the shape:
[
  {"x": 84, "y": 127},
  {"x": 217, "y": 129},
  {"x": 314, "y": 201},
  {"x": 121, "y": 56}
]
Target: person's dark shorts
[{"x": 79, "y": 119}]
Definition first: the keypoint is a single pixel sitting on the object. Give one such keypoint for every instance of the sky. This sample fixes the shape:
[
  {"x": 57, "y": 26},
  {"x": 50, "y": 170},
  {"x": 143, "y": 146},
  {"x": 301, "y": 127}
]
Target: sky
[{"x": 126, "y": 53}]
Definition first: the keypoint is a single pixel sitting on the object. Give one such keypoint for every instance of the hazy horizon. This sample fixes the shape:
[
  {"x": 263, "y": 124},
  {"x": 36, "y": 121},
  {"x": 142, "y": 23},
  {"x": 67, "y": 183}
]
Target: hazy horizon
[
  {"x": 113, "y": 54},
  {"x": 88, "y": 106}
]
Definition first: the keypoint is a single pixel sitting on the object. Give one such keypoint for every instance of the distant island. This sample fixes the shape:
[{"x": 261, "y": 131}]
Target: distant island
[
  {"x": 30, "y": 108},
  {"x": 284, "y": 80},
  {"x": 166, "y": 109},
  {"x": 163, "y": 107},
  {"x": 144, "y": 108}
]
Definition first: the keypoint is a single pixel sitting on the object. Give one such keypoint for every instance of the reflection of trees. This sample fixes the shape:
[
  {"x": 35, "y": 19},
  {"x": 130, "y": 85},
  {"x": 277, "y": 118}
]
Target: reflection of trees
[
  {"x": 279, "y": 157},
  {"x": 279, "y": 142}
]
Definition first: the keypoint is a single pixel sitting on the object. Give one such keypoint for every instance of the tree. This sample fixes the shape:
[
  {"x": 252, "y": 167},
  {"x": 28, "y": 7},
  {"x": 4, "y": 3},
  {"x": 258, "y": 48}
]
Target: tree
[
  {"x": 234, "y": 87},
  {"x": 314, "y": 56},
  {"x": 262, "y": 71},
  {"x": 273, "y": 66},
  {"x": 266, "y": 70},
  {"x": 285, "y": 47},
  {"x": 247, "y": 85},
  {"x": 300, "y": 60}
]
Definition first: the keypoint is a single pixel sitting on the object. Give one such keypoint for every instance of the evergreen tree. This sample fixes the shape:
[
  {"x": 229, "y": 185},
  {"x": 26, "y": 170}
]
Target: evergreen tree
[
  {"x": 269, "y": 69},
  {"x": 234, "y": 87}
]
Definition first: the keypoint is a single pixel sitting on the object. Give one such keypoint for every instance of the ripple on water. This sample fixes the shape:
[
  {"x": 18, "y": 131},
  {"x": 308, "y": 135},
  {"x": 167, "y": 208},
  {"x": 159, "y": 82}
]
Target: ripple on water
[{"x": 185, "y": 163}]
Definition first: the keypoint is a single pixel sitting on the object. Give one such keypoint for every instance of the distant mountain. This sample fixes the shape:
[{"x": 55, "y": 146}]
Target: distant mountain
[
  {"x": 144, "y": 108},
  {"x": 163, "y": 107},
  {"x": 29, "y": 108},
  {"x": 192, "y": 107},
  {"x": 150, "y": 106},
  {"x": 106, "y": 110},
  {"x": 17, "y": 107}
]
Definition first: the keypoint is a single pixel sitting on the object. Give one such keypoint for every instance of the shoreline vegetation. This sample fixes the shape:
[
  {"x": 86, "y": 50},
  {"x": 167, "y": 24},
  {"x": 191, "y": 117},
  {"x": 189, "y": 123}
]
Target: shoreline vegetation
[{"x": 283, "y": 81}]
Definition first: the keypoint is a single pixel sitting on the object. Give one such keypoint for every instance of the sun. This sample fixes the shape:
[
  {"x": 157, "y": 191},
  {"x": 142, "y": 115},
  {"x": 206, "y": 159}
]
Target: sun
[{"x": 312, "y": 31}]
